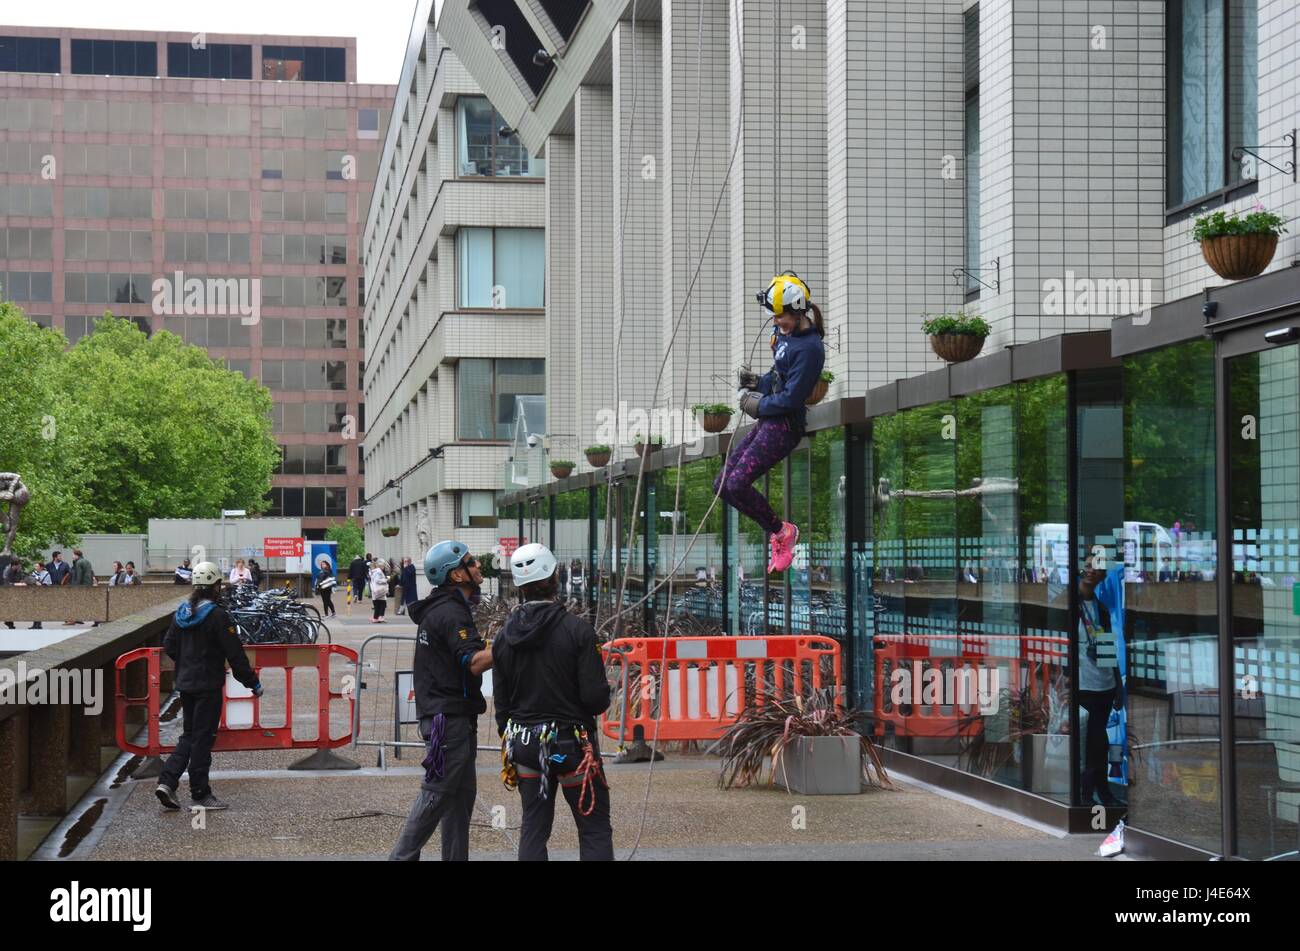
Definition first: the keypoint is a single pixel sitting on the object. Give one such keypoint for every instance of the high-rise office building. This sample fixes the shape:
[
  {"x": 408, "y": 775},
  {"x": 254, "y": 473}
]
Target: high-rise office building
[{"x": 247, "y": 162}]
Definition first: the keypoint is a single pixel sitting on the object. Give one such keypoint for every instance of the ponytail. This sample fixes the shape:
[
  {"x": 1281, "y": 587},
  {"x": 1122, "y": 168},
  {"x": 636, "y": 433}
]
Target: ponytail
[{"x": 814, "y": 314}]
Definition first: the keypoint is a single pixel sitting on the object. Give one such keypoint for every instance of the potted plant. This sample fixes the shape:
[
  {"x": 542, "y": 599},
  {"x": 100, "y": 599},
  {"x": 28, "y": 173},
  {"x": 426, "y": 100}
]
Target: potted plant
[
  {"x": 713, "y": 416},
  {"x": 814, "y": 745},
  {"x": 1238, "y": 247},
  {"x": 561, "y": 468},
  {"x": 819, "y": 391},
  {"x": 956, "y": 337},
  {"x": 644, "y": 449},
  {"x": 597, "y": 456},
  {"x": 389, "y": 531}
]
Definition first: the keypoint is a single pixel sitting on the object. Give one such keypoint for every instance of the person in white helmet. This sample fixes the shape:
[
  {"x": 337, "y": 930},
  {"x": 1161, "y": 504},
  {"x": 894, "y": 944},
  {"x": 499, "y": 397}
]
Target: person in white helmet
[
  {"x": 549, "y": 686},
  {"x": 201, "y": 640},
  {"x": 777, "y": 401}
]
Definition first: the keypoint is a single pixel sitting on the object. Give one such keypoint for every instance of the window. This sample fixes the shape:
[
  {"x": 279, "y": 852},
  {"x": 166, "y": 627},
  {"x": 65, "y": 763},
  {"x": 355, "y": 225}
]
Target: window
[
  {"x": 23, "y": 286},
  {"x": 481, "y": 148},
  {"x": 33, "y": 200},
  {"x": 29, "y": 54},
  {"x": 1213, "y": 96},
  {"x": 486, "y": 391},
  {"x": 367, "y": 123},
  {"x": 501, "y": 267},
  {"x": 114, "y": 58},
  {"x": 26, "y": 115},
  {"x": 312, "y": 64},
  {"x": 972, "y": 150},
  {"x": 213, "y": 61},
  {"x": 477, "y": 509}
]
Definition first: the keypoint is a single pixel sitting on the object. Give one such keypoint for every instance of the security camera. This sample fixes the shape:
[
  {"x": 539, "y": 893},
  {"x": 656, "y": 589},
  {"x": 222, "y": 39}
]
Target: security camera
[
  {"x": 534, "y": 441},
  {"x": 505, "y": 132},
  {"x": 542, "y": 58}
]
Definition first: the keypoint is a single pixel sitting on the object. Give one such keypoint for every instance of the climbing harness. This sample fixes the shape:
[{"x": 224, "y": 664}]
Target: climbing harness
[{"x": 548, "y": 737}]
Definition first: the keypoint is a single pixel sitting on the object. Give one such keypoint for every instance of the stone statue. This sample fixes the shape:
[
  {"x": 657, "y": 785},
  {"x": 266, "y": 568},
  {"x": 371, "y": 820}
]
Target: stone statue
[
  {"x": 13, "y": 491},
  {"x": 423, "y": 531}
]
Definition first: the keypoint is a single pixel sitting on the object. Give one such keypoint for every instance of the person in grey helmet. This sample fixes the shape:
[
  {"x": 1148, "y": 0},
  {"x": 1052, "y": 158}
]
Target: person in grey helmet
[{"x": 450, "y": 658}]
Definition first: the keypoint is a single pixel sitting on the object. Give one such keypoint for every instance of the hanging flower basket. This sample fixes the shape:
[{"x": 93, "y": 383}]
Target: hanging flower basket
[
  {"x": 1238, "y": 247},
  {"x": 561, "y": 468},
  {"x": 714, "y": 417},
  {"x": 390, "y": 531},
  {"x": 957, "y": 337},
  {"x": 597, "y": 456},
  {"x": 820, "y": 390},
  {"x": 1239, "y": 256},
  {"x": 645, "y": 449},
  {"x": 956, "y": 348}
]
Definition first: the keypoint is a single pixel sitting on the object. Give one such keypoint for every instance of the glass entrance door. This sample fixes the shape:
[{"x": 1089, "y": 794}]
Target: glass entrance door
[{"x": 1263, "y": 434}]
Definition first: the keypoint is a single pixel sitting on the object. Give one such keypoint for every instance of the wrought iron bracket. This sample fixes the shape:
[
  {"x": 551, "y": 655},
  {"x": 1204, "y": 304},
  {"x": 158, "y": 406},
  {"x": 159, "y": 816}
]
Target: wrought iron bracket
[
  {"x": 1286, "y": 168},
  {"x": 996, "y": 266}
]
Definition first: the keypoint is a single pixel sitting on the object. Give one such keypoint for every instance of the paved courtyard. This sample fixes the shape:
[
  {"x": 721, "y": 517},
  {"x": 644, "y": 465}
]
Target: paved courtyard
[{"x": 356, "y": 814}]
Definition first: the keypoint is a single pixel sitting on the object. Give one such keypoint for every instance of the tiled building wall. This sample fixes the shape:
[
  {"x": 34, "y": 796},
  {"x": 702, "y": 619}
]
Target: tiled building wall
[
  {"x": 1279, "y": 91},
  {"x": 777, "y": 56},
  {"x": 697, "y": 147},
  {"x": 561, "y": 412},
  {"x": 596, "y": 291},
  {"x": 1072, "y": 147},
  {"x": 636, "y": 158},
  {"x": 895, "y": 201}
]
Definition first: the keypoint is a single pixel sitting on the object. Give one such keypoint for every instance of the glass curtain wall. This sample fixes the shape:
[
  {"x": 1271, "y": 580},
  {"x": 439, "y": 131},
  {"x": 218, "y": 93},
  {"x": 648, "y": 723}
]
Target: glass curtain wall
[
  {"x": 572, "y": 537},
  {"x": 684, "y": 497}
]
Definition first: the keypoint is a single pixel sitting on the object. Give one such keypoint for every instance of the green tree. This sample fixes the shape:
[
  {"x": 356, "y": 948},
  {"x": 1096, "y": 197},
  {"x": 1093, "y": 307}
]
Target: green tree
[
  {"x": 352, "y": 541},
  {"x": 166, "y": 431},
  {"x": 35, "y": 444}
]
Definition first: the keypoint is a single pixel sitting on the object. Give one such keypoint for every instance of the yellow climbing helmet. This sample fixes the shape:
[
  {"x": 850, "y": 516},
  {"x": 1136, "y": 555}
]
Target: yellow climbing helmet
[{"x": 787, "y": 291}]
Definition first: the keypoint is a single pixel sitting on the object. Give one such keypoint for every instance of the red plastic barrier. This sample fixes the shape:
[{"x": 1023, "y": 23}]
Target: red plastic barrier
[
  {"x": 708, "y": 680},
  {"x": 1039, "y": 660},
  {"x": 248, "y": 733}
]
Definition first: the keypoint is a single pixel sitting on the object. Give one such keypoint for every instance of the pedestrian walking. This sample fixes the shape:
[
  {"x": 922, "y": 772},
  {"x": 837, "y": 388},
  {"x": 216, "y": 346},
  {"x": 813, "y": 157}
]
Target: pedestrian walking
[
  {"x": 83, "y": 575},
  {"x": 115, "y": 575},
  {"x": 130, "y": 575},
  {"x": 58, "y": 568},
  {"x": 201, "y": 640},
  {"x": 325, "y": 588},
  {"x": 358, "y": 572},
  {"x": 255, "y": 573},
  {"x": 408, "y": 584},
  {"x": 39, "y": 577},
  {"x": 378, "y": 592},
  {"x": 240, "y": 574}
]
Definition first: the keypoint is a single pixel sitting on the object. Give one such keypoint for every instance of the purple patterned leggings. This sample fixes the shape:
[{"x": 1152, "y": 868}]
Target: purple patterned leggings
[{"x": 768, "y": 442}]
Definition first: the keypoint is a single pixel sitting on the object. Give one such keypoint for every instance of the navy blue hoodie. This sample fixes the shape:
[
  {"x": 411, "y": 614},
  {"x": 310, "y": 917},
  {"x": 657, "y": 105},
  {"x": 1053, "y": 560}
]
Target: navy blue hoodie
[
  {"x": 796, "y": 368},
  {"x": 201, "y": 641}
]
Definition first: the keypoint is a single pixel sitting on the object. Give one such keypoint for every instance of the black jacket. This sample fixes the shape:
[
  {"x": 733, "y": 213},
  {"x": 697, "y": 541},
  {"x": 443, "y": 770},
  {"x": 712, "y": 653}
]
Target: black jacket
[
  {"x": 547, "y": 666},
  {"x": 357, "y": 573},
  {"x": 444, "y": 646},
  {"x": 201, "y": 642}
]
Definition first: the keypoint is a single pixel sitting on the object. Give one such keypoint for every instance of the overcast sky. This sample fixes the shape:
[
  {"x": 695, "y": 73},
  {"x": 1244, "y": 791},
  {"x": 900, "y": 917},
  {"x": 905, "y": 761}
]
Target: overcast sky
[{"x": 380, "y": 26}]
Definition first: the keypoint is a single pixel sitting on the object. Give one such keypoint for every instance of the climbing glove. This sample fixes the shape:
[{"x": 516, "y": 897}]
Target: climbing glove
[{"x": 749, "y": 400}]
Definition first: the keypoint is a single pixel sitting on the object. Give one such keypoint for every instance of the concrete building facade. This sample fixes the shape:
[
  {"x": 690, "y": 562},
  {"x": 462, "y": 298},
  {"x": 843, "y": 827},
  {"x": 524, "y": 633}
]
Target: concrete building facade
[
  {"x": 128, "y": 158},
  {"x": 455, "y": 327}
]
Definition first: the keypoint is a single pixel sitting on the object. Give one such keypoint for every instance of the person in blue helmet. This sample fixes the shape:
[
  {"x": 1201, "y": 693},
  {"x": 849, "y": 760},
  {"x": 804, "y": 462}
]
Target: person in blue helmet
[{"x": 450, "y": 658}]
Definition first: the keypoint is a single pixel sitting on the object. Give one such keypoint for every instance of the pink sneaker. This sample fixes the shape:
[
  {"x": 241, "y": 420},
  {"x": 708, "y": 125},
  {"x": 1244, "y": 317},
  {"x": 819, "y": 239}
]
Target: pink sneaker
[{"x": 783, "y": 543}]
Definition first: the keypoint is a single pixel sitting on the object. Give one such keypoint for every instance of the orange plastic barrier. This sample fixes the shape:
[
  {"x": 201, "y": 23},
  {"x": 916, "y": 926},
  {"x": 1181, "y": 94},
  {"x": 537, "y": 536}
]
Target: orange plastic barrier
[
  {"x": 1039, "y": 659},
  {"x": 707, "y": 681},
  {"x": 241, "y": 714}
]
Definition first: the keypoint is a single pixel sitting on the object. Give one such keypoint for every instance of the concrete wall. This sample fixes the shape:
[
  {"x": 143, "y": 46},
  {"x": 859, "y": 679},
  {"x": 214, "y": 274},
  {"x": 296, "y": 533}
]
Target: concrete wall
[{"x": 85, "y": 603}]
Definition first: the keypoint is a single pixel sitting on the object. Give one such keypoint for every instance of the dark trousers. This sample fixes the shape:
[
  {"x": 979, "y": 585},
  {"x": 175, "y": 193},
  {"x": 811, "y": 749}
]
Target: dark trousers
[
  {"x": 448, "y": 799},
  {"x": 327, "y": 600},
  {"x": 202, "y": 716},
  {"x": 768, "y": 442},
  {"x": 381, "y": 604},
  {"x": 595, "y": 836},
  {"x": 1096, "y": 741}
]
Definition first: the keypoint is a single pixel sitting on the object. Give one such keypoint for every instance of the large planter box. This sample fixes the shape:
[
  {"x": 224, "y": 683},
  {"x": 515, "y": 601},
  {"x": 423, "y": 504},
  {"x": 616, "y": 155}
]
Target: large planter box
[
  {"x": 1049, "y": 763},
  {"x": 821, "y": 766}
]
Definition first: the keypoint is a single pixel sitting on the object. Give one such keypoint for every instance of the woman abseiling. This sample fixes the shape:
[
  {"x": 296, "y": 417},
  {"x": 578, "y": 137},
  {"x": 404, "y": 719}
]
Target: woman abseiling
[{"x": 776, "y": 400}]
